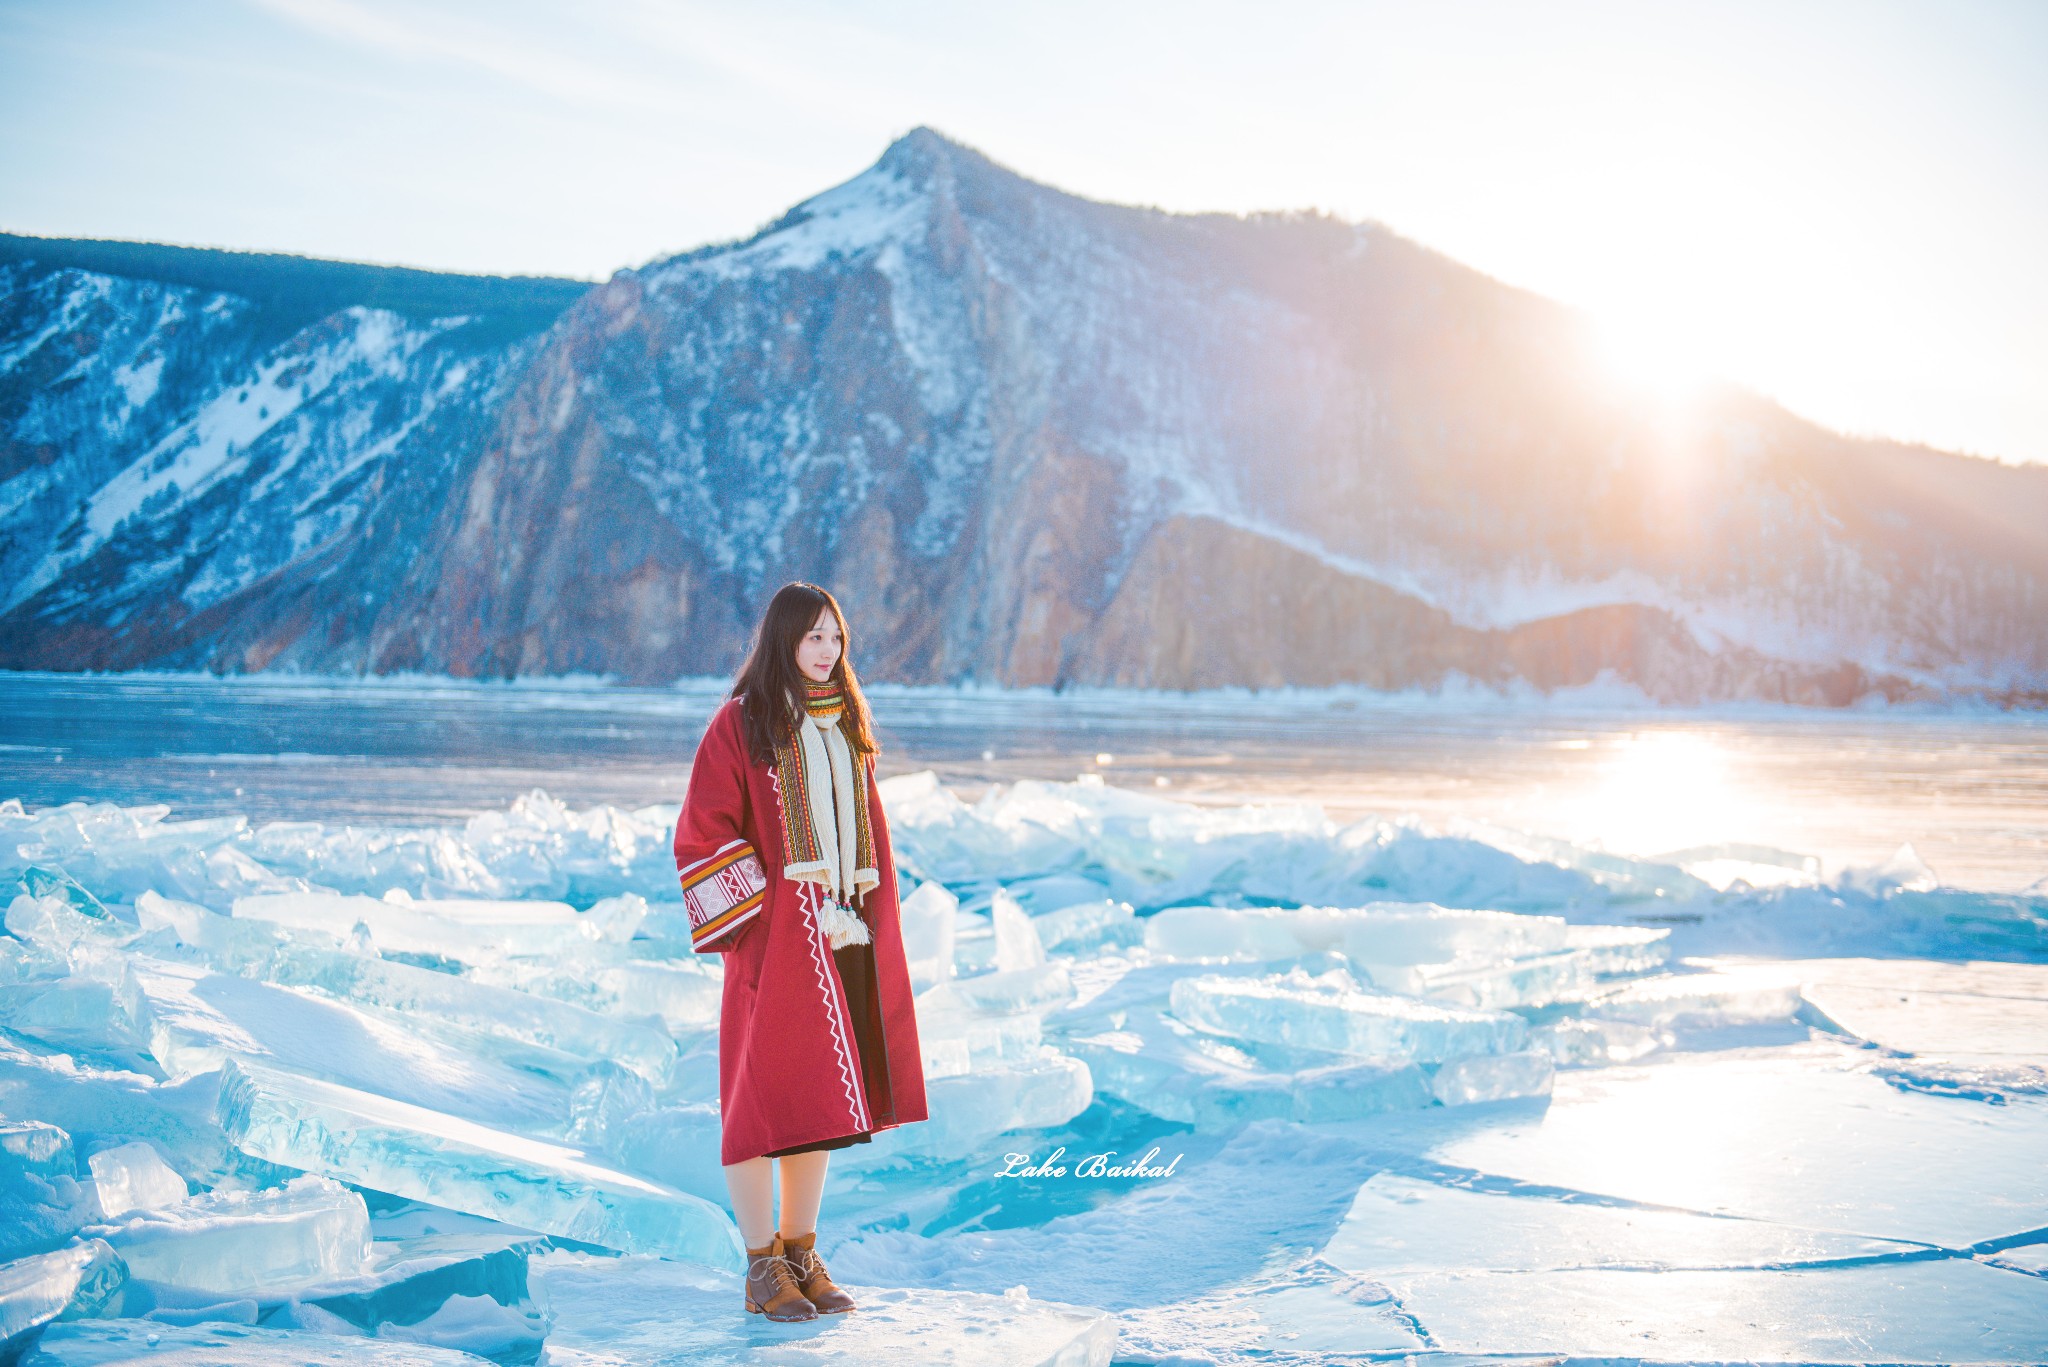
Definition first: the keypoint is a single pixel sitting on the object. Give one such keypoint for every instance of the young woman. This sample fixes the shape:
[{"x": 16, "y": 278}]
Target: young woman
[{"x": 786, "y": 871}]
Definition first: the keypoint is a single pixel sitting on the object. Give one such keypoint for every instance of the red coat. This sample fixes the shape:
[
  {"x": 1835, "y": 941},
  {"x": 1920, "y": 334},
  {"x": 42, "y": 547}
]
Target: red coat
[{"x": 789, "y": 1064}]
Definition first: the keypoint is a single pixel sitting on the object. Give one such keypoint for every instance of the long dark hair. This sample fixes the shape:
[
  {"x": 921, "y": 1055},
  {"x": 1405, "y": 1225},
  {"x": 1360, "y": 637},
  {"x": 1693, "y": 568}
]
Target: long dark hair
[{"x": 770, "y": 686}]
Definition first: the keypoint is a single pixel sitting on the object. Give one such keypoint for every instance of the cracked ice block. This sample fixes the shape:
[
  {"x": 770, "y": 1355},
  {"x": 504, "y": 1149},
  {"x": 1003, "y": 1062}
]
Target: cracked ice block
[
  {"x": 429, "y": 1156},
  {"x": 197, "y": 1020},
  {"x": 30, "y": 1148},
  {"x": 1163, "y": 1066},
  {"x": 42, "y": 882},
  {"x": 134, "y": 1177},
  {"x": 236, "y": 1243},
  {"x": 41, "y": 1201},
  {"x": 1321, "y": 1014},
  {"x": 79, "y": 1279},
  {"x": 1577, "y": 974},
  {"x": 500, "y": 1011}
]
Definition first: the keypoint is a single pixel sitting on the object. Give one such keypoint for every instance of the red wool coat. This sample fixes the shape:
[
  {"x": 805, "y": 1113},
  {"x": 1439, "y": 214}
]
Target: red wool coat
[{"x": 789, "y": 1064}]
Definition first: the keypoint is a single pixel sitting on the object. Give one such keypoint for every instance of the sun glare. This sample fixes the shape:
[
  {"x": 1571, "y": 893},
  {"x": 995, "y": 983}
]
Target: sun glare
[
  {"x": 1652, "y": 359},
  {"x": 1659, "y": 791}
]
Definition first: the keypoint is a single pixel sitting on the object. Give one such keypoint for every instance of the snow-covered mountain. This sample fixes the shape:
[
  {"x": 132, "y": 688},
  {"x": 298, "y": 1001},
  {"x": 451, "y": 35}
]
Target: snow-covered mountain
[{"x": 1027, "y": 437}]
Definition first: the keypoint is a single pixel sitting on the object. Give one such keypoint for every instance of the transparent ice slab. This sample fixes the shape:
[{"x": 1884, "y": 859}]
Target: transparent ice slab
[
  {"x": 682, "y": 993},
  {"x": 40, "y": 882},
  {"x": 1737, "y": 996},
  {"x": 134, "y": 1177},
  {"x": 473, "y": 931},
  {"x": 602, "y": 994},
  {"x": 1478, "y": 1078},
  {"x": 93, "y": 1103},
  {"x": 31, "y": 1148},
  {"x": 197, "y": 1020},
  {"x": 1017, "y": 945},
  {"x": 969, "y": 1109},
  {"x": 480, "y": 1007},
  {"x": 1040, "y": 988},
  {"x": 1598, "y": 955},
  {"x": 1161, "y": 1065},
  {"x": 675, "y": 1145},
  {"x": 927, "y": 921},
  {"x": 1074, "y": 928},
  {"x": 79, "y": 1279},
  {"x": 1378, "y": 933},
  {"x": 424, "y": 1155},
  {"x": 1582, "y": 1043},
  {"x": 1320, "y": 1013},
  {"x": 621, "y": 1311},
  {"x": 961, "y": 1041},
  {"x": 238, "y": 1243}
]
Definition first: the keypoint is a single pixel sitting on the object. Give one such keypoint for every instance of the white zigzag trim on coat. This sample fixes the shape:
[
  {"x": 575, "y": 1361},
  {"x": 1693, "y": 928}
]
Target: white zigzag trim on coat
[{"x": 848, "y": 1070}]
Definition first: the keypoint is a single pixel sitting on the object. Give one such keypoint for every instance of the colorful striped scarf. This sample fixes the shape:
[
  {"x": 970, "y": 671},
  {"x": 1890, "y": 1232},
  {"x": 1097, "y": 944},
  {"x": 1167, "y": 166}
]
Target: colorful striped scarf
[{"x": 826, "y": 836}]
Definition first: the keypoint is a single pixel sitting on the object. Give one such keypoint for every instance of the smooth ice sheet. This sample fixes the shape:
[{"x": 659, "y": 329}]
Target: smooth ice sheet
[
  {"x": 1403, "y": 1224},
  {"x": 104, "y": 1343},
  {"x": 632, "y": 1311},
  {"x": 1947, "y": 1311},
  {"x": 1800, "y": 1136},
  {"x": 1975, "y": 1012}
]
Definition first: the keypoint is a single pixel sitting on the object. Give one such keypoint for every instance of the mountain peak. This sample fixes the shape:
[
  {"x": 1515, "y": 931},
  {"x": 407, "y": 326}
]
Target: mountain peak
[{"x": 924, "y": 154}]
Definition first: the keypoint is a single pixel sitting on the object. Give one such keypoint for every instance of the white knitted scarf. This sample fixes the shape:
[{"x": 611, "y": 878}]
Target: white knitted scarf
[{"x": 828, "y": 770}]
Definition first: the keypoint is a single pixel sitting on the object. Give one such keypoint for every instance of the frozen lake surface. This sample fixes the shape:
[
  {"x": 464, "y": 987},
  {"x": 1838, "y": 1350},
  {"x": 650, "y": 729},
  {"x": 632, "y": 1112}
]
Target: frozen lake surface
[
  {"x": 1441, "y": 1029},
  {"x": 1967, "y": 790}
]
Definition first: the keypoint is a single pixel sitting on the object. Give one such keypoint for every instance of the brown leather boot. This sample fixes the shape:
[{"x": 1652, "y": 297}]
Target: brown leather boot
[
  {"x": 811, "y": 1277},
  {"x": 771, "y": 1285}
]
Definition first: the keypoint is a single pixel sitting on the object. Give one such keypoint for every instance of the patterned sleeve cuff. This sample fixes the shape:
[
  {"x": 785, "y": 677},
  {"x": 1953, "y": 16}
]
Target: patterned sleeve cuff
[{"x": 722, "y": 893}]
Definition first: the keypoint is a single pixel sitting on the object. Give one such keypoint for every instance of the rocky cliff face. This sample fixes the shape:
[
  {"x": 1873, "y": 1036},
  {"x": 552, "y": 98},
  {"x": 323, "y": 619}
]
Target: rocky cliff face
[{"x": 1028, "y": 438}]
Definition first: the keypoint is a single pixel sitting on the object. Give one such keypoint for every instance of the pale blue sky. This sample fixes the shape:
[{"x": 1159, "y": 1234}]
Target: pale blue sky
[{"x": 1841, "y": 204}]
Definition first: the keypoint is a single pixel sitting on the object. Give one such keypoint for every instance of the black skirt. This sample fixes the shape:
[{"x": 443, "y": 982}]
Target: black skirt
[{"x": 855, "y": 965}]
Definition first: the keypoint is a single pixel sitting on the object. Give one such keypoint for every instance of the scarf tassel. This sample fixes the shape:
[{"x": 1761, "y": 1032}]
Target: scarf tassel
[{"x": 841, "y": 926}]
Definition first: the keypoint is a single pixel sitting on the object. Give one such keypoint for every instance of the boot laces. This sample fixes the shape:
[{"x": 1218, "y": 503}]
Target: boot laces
[{"x": 780, "y": 1273}]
